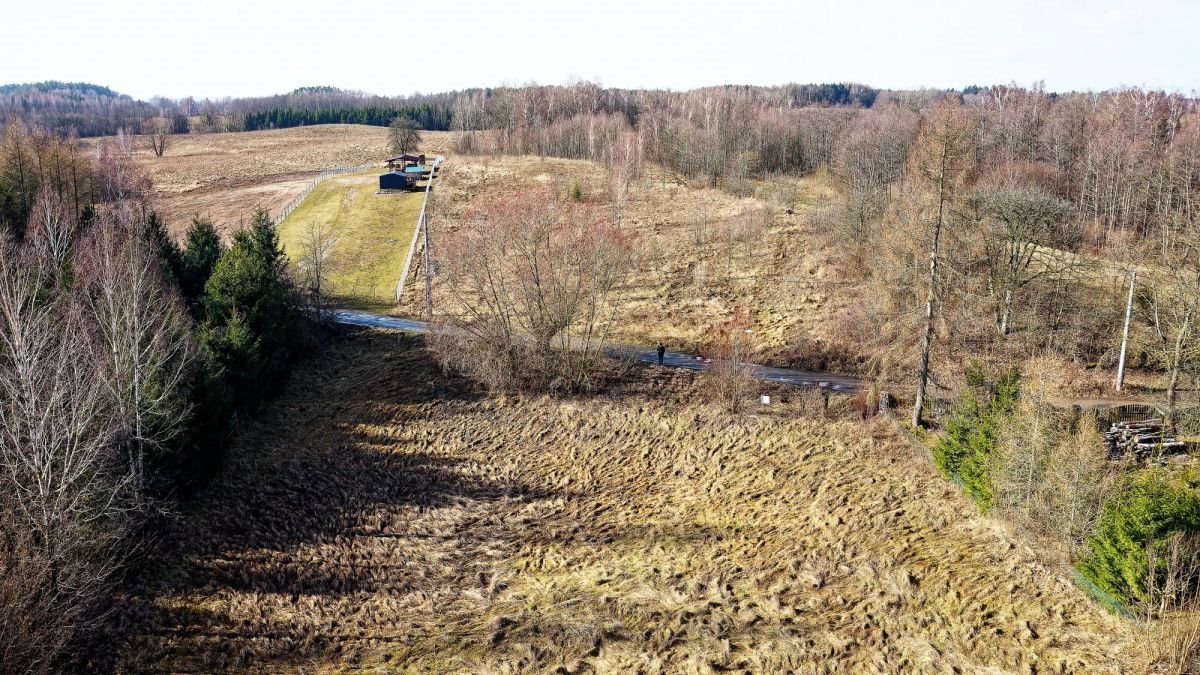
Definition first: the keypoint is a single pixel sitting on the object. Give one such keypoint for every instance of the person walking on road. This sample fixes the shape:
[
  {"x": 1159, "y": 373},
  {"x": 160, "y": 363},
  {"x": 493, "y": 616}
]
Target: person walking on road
[{"x": 661, "y": 351}]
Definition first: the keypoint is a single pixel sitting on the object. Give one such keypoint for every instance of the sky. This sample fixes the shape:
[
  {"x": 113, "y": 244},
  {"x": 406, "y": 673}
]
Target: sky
[{"x": 218, "y": 48}]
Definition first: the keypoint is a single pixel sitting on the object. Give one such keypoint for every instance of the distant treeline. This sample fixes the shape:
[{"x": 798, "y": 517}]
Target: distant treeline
[
  {"x": 72, "y": 108},
  {"x": 82, "y": 109},
  {"x": 428, "y": 116},
  {"x": 326, "y": 105}
]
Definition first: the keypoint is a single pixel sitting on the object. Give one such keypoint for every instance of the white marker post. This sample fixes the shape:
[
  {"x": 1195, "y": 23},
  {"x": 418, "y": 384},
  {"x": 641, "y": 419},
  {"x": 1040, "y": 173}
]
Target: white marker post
[{"x": 1125, "y": 335}]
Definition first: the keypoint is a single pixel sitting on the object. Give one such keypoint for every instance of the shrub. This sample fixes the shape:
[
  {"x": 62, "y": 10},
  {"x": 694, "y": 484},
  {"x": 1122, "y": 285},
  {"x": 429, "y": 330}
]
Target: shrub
[
  {"x": 536, "y": 278},
  {"x": 972, "y": 430},
  {"x": 730, "y": 348},
  {"x": 1145, "y": 549},
  {"x": 1049, "y": 473}
]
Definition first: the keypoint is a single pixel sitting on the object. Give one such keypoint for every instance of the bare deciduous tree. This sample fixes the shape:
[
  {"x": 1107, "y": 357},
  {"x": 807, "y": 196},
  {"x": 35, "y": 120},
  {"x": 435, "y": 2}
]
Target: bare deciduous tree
[
  {"x": 157, "y": 130},
  {"x": 120, "y": 178},
  {"x": 64, "y": 492},
  {"x": 625, "y": 166},
  {"x": 941, "y": 156},
  {"x": 730, "y": 351},
  {"x": 315, "y": 263},
  {"x": 533, "y": 280},
  {"x": 1078, "y": 481},
  {"x": 144, "y": 334},
  {"x": 1169, "y": 309},
  {"x": 1048, "y": 477},
  {"x": 1023, "y": 238},
  {"x": 53, "y": 228},
  {"x": 404, "y": 135},
  {"x": 866, "y": 162}
]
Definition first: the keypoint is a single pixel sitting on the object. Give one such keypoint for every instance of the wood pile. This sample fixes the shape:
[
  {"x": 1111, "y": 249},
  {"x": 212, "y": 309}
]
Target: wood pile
[{"x": 1142, "y": 439}]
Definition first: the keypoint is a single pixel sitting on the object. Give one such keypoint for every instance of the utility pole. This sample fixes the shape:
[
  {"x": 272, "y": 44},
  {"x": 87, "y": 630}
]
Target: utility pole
[
  {"x": 1125, "y": 335},
  {"x": 424, "y": 224}
]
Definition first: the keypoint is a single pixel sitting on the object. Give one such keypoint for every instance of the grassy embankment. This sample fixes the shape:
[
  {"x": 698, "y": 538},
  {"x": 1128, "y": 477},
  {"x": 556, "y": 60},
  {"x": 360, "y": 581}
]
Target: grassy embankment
[{"x": 372, "y": 232}]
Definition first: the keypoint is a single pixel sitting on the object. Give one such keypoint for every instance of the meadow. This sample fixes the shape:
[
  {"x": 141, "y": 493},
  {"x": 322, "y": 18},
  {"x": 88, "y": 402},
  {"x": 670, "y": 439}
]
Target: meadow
[
  {"x": 384, "y": 517},
  {"x": 701, "y": 252},
  {"x": 224, "y": 176}
]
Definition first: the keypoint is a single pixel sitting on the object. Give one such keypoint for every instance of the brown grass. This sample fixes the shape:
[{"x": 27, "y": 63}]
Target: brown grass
[
  {"x": 381, "y": 516},
  {"x": 751, "y": 253},
  {"x": 806, "y": 298},
  {"x": 684, "y": 281},
  {"x": 225, "y": 176}
]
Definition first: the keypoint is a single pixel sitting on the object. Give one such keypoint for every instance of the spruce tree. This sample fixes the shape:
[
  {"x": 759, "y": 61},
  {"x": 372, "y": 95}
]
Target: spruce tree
[{"x": 203, "y": 250}]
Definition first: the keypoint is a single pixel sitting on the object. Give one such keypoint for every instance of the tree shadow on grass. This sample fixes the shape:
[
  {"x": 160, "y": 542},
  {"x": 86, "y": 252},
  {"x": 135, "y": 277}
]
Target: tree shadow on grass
[{"x": 314, "y": 521}]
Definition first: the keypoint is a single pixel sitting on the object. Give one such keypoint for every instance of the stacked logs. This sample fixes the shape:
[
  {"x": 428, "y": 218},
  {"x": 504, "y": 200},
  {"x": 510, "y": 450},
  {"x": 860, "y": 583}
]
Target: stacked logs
[{"x": 1142, "y": 439}]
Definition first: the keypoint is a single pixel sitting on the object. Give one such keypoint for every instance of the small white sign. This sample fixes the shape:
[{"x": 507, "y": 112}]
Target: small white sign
[{"x": 766, "y": 400}]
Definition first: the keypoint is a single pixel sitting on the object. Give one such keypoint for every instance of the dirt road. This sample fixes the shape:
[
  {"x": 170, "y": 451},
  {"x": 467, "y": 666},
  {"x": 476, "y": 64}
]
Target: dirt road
[{"x": 841, "y": 384}]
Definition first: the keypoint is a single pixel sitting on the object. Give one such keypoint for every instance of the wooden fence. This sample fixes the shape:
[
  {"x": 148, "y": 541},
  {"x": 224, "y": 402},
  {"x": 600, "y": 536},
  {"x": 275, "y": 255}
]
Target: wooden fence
[
  {"x": 421, "y": 224},
  {"x": 327, "y": 173}
]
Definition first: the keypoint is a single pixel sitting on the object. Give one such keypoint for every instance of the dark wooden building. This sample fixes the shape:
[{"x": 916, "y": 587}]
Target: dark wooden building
[{"x": 396, "y": 180}]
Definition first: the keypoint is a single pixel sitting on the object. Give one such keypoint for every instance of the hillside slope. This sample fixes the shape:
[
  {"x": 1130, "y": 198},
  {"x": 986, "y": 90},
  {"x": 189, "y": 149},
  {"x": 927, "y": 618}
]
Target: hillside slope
[
  {"x": 371, "y": 234},
  {"x": 383, "y": 516},
  {"x": 226, "y": 175}
]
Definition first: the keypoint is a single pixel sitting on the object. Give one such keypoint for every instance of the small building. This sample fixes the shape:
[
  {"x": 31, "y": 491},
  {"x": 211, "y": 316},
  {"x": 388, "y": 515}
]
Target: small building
[
  {"x": 405, "y": 161},
  {"x": 396, "y": 180}
]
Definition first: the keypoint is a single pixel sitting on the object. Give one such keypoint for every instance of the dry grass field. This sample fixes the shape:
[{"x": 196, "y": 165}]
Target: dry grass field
[
  {"x": 372, "y": 235},
  {"x": 225, "y": 176},
  {"x": 703, "y": 252},
  {"x": 382, "y": 518}
]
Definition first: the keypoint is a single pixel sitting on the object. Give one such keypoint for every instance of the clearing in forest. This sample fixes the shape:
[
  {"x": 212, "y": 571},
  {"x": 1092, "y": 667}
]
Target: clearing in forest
[
  {"x": 381, "y": 516},
  {"x": 372, "y": 234}
]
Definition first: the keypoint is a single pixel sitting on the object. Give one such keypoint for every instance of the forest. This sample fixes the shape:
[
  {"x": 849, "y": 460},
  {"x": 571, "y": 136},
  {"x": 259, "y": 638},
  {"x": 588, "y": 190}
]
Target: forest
[
  {"x": 68, "y": 108},
  {"x": 82, "y": 109},
  {"x": 127, "y": 360}
]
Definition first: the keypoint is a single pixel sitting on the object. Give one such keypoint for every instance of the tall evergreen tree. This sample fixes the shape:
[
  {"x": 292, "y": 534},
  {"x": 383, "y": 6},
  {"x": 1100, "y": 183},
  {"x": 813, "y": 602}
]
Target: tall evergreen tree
[
  {"x": 250, "y": 320},
  {"x": 169, "y": 253},
  {"x": 203, "y": 250}
]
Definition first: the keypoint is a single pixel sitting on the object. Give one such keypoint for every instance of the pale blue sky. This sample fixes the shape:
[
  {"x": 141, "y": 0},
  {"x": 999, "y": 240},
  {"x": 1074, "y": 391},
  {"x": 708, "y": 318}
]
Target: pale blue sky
[{"x": 252, "y": 47}]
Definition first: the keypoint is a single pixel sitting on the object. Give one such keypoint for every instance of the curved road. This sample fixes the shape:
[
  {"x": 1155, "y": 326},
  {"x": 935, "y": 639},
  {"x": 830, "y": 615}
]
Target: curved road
[{"x": 797, "y": 378}]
